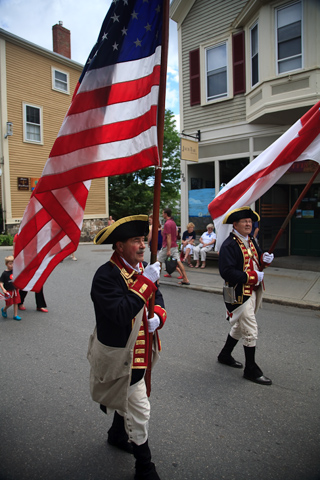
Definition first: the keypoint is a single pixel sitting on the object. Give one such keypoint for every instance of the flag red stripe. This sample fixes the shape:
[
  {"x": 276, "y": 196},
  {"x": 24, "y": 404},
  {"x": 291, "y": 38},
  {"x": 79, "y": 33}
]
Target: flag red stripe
[
  {"x": 104, "y": 134},
  {"x": 104, "y": 168},
  {"x": 37, "y": 222},
  {"x": 109, "y": 129},
  {"x": 116, "y": 93},
  {"x": 44, "y": 215},
  {"x": 61, "y": 216},
  {"x": 80, "y": 192},
  {"x": 222, "y": 203},
  {"x": 312, "y": 113},
  {"x": 26, "y": 275},
  {"x": 51, "y": 266}
]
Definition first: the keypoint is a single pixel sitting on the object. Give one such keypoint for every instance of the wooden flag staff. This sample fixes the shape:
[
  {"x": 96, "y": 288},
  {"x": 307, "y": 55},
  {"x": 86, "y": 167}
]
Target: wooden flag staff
[
  {"x": 157, "y": 180},
  {"x": 293, "y": 209}
]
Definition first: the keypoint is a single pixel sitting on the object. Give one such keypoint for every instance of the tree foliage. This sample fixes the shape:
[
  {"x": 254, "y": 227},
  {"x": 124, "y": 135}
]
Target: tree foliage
[{"x": 132, "y": 193}]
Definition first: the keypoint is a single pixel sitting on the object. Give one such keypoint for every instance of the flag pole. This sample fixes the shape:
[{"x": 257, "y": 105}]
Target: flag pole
[
  {"x": 157, "y": 179},
  {"x": 293, "y": 209}
]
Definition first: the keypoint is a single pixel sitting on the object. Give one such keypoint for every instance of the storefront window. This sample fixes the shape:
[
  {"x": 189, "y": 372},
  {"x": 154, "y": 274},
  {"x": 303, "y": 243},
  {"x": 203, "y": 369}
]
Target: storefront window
[
  {"x": 230, "y": 168},
  {"x": 310, "y": 205}
]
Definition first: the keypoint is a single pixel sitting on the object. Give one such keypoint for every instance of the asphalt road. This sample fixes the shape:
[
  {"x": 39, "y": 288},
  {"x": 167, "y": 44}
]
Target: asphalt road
[{"x": 207, "y": 422}]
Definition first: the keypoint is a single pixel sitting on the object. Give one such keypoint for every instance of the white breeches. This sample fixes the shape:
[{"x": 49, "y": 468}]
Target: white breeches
[
  {"x": 243, "y": 320},
  {"x": 136, "y": 420}
]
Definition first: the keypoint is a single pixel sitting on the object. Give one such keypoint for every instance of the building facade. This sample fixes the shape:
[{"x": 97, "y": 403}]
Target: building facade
[
  {"x": 36, "y": 88},
  {"x": 248, "y": 71}
]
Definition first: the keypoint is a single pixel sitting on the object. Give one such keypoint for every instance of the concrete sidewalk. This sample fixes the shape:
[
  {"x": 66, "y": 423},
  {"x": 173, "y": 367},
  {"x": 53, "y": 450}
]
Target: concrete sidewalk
[
  {"x": 286, "y": 286},
  {"x": 293, "y": 281}
]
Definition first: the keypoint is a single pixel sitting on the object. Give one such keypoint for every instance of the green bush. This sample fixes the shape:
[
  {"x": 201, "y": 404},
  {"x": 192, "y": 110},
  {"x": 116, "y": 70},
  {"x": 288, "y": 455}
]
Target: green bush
[{"x": 6, "y": 240}]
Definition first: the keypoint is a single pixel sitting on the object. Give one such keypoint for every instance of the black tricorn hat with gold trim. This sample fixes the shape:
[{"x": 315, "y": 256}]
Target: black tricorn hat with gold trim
[
  {"x": 239, "y": 214},
  {"x": 122, "y": 229}
]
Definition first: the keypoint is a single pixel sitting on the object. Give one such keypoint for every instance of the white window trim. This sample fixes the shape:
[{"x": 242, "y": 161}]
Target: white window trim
[
  {"x": 276, "y": 8},
  {"x": 203, "y": 70},
  {"x": 255, "y": 24},
  {"x": 53, "y": 70},
  {"x": 24, "y": 116}
]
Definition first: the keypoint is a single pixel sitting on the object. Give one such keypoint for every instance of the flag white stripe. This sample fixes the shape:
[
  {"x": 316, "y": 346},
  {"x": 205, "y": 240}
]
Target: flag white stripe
[
  {"x": 70, "y": 204},
  {"x": 45, "y": 262},
  {"x": 116, "y": 113},
  {"x": 34, "y": 207},
  {"x": 120, "y": 72},
  {"x": 312, "y": 152},
  {"x": 265, "y": 159},
  {"x": 99, "y": 153}
]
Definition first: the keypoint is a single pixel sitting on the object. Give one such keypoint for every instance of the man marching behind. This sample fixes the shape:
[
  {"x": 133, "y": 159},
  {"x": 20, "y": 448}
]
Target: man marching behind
[
  {"x": 121, "y": 290},
  {"x": 240, "y": 263}
]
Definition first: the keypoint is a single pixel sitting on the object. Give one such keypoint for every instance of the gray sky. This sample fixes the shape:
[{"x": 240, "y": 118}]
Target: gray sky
[{"x": 32, "y": 20}]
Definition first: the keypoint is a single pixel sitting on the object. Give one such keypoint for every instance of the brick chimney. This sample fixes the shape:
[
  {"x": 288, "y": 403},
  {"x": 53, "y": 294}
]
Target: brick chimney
[{"x": 61, "y": 40}]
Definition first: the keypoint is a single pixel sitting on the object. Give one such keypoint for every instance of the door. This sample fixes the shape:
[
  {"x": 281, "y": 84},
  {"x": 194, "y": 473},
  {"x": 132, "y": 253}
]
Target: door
[
  {"x": 273, "y": 210},
  {"x": 305, "y": 224}
]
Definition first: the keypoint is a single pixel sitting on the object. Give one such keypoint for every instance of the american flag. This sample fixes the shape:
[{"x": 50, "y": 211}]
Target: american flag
[
  {"x": 300, "y": 142},
  {"x": 110, "y": 129}
]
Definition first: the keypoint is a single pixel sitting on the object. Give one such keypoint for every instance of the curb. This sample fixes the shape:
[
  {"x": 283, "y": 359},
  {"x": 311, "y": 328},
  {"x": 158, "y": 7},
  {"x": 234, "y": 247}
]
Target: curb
[{"x": 266, "y": 299}]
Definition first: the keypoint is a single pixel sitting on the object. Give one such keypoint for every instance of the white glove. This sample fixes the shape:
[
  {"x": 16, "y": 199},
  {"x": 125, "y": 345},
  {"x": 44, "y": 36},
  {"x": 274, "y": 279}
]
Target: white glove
[
  {"x": 153, "y": 323},
  {"x": 260, "y": 277},
  {"x": 267, "y": 257},
  {"x": 152, "y": 271}
]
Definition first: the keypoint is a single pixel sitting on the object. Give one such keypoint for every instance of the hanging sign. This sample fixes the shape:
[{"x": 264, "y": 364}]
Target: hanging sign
[{"x": 189, "y": 150}]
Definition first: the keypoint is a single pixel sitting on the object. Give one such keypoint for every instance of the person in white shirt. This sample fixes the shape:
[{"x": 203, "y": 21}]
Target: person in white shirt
[{"x": 207, "y": 241}]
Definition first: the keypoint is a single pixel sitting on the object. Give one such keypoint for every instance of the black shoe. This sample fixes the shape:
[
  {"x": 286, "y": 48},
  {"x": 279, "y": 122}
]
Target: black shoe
[
  {"x": 145, "y": 469},
  {"x": 146, "y": 472},
  {"x": 262, "y": 380},
  {"x": 230, "y": 361},
  {"x": 122, "y": 444}
]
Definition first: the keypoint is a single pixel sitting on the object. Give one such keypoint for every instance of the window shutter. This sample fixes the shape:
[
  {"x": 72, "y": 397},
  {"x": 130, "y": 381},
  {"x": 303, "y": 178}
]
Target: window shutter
[
  {"x": 238, "y": 59},
  {"x": 194, "y": 65}
]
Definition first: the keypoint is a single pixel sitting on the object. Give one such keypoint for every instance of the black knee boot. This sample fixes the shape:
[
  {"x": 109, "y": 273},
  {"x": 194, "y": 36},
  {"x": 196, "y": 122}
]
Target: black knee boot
[
  {"x": 252, "y": 371},
  {"x": 117, "y": 436},
  {"x": 225, "y": 356},
  {"x": 145, "y": 469}
]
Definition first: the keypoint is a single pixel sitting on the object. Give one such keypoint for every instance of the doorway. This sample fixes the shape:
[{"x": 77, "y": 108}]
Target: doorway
[
  {"x": 273, "y": 210},
  {"x": 305, "y": 223}
]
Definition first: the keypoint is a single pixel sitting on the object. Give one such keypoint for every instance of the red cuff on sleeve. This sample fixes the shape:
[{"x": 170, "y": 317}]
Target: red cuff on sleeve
[
  {"x": 142, "y": 286},
  {"x": 252, "y": 278},
  {"x": 162, "y": 314}
]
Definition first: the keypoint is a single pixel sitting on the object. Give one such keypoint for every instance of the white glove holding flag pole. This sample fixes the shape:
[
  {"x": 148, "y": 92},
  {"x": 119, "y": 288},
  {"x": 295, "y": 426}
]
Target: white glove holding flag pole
[
  {"x": 153, "y": 323},
  {"x": 152, "y": 271},
  {"x": 260, "y": 277},
  {"x": 267, "y": 257}
]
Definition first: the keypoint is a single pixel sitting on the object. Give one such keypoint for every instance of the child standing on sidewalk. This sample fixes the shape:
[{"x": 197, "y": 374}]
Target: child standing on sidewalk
[{"x": 7, "y": 286}]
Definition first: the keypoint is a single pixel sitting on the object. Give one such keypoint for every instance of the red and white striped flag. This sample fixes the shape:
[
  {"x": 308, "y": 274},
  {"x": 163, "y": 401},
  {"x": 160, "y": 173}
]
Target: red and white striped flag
[
  {"x": 109, "y": 129},
  {"x": 300, "y": 142}
]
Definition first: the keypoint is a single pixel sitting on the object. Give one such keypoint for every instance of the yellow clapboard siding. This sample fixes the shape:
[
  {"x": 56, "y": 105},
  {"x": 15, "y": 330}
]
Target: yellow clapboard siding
[{"x": 29, "y": 80}]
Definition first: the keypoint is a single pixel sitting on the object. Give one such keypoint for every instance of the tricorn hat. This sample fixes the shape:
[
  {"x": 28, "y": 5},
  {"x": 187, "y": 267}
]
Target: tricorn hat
[
  {"x": 239, "y": 213},
  {"x": 122, "y": 229}
]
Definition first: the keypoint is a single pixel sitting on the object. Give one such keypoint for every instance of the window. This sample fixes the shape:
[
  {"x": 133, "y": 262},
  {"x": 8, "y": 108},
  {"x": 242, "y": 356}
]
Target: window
[
  {"x": 60, "y": 81},
  {"x": 254, "y": 47},
  {"x": 289, "y": 39},
  {"x": 230, "y": 168},
  {"x": 32, "y": 123},
  {"x": 216, "y": 70}
]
